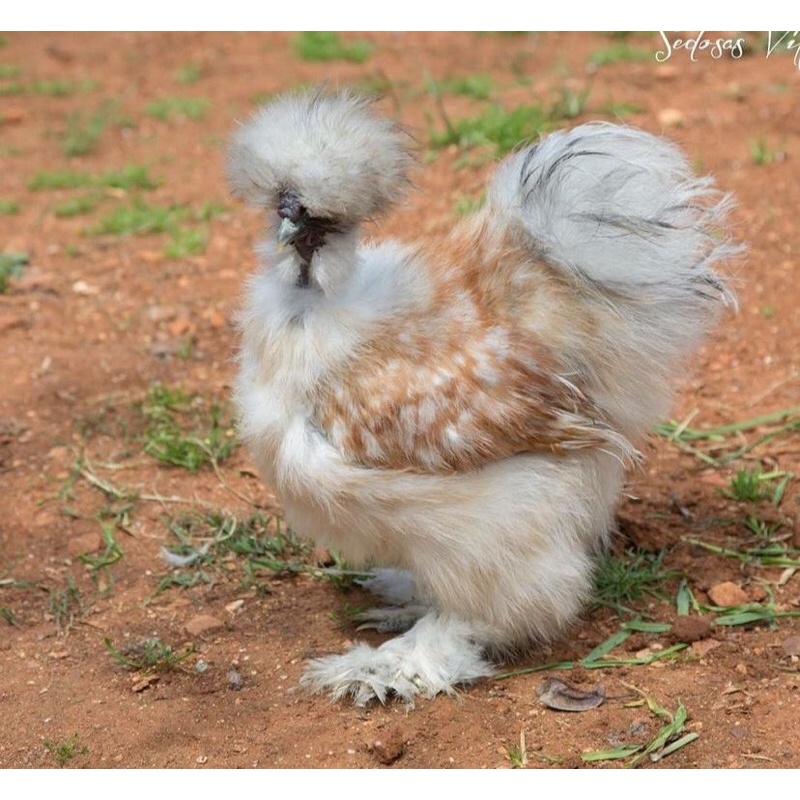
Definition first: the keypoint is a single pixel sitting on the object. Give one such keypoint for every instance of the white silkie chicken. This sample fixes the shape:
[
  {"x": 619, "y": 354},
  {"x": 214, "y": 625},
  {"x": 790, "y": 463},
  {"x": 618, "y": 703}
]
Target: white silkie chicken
[{"x": 458, "y": 411}]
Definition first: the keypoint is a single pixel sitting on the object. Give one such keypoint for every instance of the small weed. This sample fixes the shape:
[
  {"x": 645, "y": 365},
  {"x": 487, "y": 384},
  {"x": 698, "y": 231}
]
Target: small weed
[
  {"x": 753, "y": 485},
  {"x": 111, "y": 554},
  {"x": 477, "y": 86},
  {"x": 570, "y": 104},
  {"x": 261, "y": 98},
  {"x": 76, "y": 206},
  {"x": 374, "y": 84},
  {"x": 9, "y": 71},
  {"x": 518, "y": 753},
  {"x": 150, "y": 655},
  {"x": 627, "y": 578},
  {"x": 9, "y": 616},
  {"x": 65, "y": 604},
  {"x": 167, "y": 439},
  {"x": 66, "y": 751},
  {"x": 620, "y": 109},
  {"x": 186, "y": 242},
  {"x": 85, "y": 129},
  {"x": 8, "y": 207},
  {"x": 328, "y": 46},
  {"x": 747, "y": 485},
  {"x": 762, "y": 529},
  {"x": 188, "y": 74},
  {"x": 11, "y": 266},
  {"x": 620, "y": 52},
  {"x": 169, "y": 108},
  {"x": 761, "y": 153}
]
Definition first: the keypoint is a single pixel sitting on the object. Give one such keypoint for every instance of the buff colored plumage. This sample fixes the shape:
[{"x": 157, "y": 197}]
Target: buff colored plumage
[{"x": 457, "y": 413}]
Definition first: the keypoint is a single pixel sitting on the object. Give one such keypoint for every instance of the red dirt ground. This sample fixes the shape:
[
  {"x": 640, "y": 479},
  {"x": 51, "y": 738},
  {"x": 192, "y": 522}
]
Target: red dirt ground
[{"x": 94, "y": 321}]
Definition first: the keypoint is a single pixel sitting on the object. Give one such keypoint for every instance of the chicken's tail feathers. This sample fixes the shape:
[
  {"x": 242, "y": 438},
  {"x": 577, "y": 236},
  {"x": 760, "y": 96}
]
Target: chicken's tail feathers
[
  {"x": 622, "y": 209},
  {"x": 621, "y": 215}
]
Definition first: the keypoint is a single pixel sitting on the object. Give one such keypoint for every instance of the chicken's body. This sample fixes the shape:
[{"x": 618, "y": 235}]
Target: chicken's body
[{"x": 460, "y": 411}]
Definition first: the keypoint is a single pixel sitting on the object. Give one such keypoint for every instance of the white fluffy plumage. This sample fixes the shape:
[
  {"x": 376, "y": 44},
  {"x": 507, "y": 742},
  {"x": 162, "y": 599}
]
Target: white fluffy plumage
[{"x": 458, "y": 412}]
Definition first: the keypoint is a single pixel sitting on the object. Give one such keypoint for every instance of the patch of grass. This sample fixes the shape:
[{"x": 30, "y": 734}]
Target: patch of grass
[
  {"x": 9, "y": 71},
  {"x": 111, "y": 554},
  {"x": 131, "y": 176},
  {"x": 599, "y": 657},
  {"x": 182, "y": 432},
  {"x": 502, "y": 130},
  {"x": 139, "y": 219},
  {"x": 169, "y": 108},
  {"x": 57, "y": 88},
  {"x": 496, "y": 128},
  {"x": 754, "y": 485},
  {"x": 478, "y": 86},
  {"x": 8, "y": 207},
  {"x": 207, "y": 539},
  {"x": 188, "y": 74},
  {"x": 624, "y": 579},
  {"x": 718, "y": 452},
  {"x": 11, "y": 266},
  {"x": 186, "y": 242},
  {"x": 261, "y": 98},
  {"x": 570, "y": 104},
  {"x": 761, "y": 153},
  {"x": 620, "y": 52},
  {"x": 518, "y": 753},
  {"x": 66, "y": 751},
  {"x": 11, "y": 89},
  {"x": 208, "y": 543},
  {"x": 328, "y": 46},
  {"x": 375, "y": 84},
  {"x": 620, "y": 109},
  {"x": 768, "y": 552},
  {"x": 76, "y": 206},
  {"x": 149, "y": 655},
  {"x": 670, "y": 736},
  {"x": 84, "y": 129}
]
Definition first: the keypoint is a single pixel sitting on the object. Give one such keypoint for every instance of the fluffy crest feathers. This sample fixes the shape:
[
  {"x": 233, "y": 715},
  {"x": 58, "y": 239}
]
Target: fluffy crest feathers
[{"x": 344, "y": 161}]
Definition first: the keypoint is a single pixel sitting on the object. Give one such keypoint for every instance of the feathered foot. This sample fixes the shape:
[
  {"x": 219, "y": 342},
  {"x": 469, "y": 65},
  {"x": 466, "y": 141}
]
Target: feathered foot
[{"x": 436, "y": 655}]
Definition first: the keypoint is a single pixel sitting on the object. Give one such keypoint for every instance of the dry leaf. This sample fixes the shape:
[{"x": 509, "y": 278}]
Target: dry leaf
[{"x": 555, "y": 693}]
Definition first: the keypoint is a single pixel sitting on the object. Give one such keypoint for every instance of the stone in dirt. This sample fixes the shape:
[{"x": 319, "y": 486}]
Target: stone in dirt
[
  {"x": 389, "y": 748},
  {"x": 690, "y": 629},
  {"x": 203, "y": 623},
  {"x": 727, "y": 594}
]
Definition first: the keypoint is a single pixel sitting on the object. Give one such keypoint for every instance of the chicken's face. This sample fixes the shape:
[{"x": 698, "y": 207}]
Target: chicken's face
[{"x": 303, "y": 231}]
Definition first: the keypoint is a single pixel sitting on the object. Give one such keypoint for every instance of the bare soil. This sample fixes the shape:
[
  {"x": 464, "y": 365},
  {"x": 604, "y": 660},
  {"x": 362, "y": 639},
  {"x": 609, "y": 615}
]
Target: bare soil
[{"x": 94, "y": 321}]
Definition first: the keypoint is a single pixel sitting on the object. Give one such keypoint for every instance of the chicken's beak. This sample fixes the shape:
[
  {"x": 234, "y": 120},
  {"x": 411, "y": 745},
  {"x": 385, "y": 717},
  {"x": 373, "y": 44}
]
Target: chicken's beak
[{"x": 288, "y": 232}]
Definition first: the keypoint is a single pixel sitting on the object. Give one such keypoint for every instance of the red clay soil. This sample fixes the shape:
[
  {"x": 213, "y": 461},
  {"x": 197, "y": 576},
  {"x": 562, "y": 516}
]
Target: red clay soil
[{"x": 95, "y": 320}]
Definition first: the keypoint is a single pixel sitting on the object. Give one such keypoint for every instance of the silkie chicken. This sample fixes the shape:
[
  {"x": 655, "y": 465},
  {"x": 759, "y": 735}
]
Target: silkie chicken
[{"x": 457, "y": 413}]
